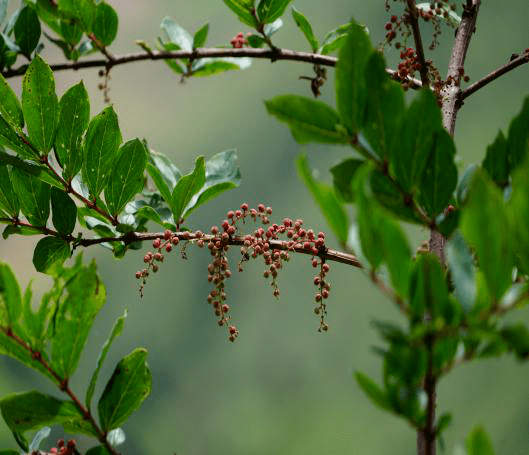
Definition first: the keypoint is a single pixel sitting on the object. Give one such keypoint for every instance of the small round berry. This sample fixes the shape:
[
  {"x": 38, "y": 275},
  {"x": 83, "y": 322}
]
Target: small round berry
[
  {"x": 156, "y": 243},
  {"x": 225, "y": 308},
  {"x": 232, "y": 329},
  {"x": 238, "y": 213},
  {"x": 158, "y": 256},
  {"x": 317, "y": 297},
  {"x": 155, "y": 268},
  {"x": 138, "y": 275},
  {"x": 261, "y": 208},
  {"x": 325, "y": 327},
  {"x": 314, "y": 263},
  {"x": 60, "y": 443},
  {"x": 175, "y": 240},
  {"x": 325, "y": 267},
  {"x": 269, "y": 210},
  {"x": 146, "y": 258},
  {"x": 325, "y": 294},
  {"x": 232, "y": 338},
  {"x": 466, "y": 78},
  {"x": 388, "y": 26},
  {"x": 168, "y": 247},
  {"x": 71, "y": 443},
  {"x": 317, "y": 280},
  {"x": 244, "y": 207},
  {"x": 167, "y": 234},
  {"x": 231, "y": 214},
  {"x": 393, "y": 19},
  {"x": 214, "y": 230},
  {"x": 220, "y": 322},
  {"x": 276, "y": 292}
]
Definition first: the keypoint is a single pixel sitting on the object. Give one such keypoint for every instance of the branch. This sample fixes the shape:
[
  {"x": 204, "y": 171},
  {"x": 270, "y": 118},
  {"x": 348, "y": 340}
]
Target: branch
[
  {"x": 266, "y": 54},
  {"x": 63, "y": 385},
  {"x": 514, "y": 63},
  {"x": 419, "y": 48}
]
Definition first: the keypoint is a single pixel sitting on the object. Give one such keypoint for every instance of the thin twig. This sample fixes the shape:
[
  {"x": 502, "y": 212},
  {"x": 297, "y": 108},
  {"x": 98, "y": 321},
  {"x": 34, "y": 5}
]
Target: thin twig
[{"x": 504, "y": 69}]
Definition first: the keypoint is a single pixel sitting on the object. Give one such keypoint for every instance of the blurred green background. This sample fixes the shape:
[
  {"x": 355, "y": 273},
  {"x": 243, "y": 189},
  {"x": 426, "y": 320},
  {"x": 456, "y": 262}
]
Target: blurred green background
[{"x": 282, "y": 388}]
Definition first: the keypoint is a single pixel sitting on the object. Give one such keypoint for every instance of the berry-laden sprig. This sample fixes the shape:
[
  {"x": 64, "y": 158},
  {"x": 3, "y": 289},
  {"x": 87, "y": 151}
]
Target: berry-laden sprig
[
  {"x": 275, "y": 244},
  {"x": 63, "y": 448}
]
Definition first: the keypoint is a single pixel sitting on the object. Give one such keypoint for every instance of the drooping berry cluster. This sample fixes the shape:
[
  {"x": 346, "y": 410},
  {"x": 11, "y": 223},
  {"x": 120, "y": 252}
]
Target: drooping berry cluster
[
  {"x": 240, "y": 40},
  {"x": 274, "y": 243},
  {"x": 64, "y": 449}
]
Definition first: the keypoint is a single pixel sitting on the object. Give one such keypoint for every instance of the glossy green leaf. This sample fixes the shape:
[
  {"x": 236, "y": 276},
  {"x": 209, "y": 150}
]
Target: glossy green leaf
[
  {"x": 463, "y": 185},
  {"x": 221, "y": 174},
  {"x": 428, "y": 290},
  {"x": 325, "y": 197},
  {"x": 8, "y": 198},
  {"x": 117, "y": 329},
  {"x": 176, "y": 34},
  {"x": 343, "y": 175},
  {"x": 373, "y": 391},
  {"x": 63, "y": 211},
  {"x": 270, "y": 10},
  {"x": 98, "y": 450},
  {"x": 200, "y": 36},
  {"x": 39, "y": 171},
  {"x": 75, "y": 315},
  {"x": 72, "y": 33},
  {"x": 517, "y": 338},
  {"x": 351, "y": 91},
  {"x": 412, "y": 144},
  {"x": 82, "y": 10},
  {"x": 382, "y": 239},
  {"x": 40, "y": 104},
  {"x": 27, "y": 30},
  {"x": 100, "y": 149},
  {"x": 73, "y": 120},
  {"x": 463, "y": 273},
  {"x": 243, "y": 9},
  {"x": 478, "y": 443},
  {"x": 518, "y": 213},
  {"x": 305, "y": 27},
  {"x": 13, "y": 141},
  {"x": 126, "y": 178},
  {"x": 33, "y": 195},
  {"x": 309, "y": 120},
  {"x": 10, "y": 107},
  {"x": 27, "y": 411},
  {"x": 50, "y": 253},
  {"x": 187, "y": 187},
  {"x": 126, "y": 390},
  {"x": 439, "y": 178},
  {"x": 384, "y": 106},
  {"x": 334, "y": 39},
  {"x": 210, "y": 66},
  {"x": 10, "y": 298},
  {"x": 518, "y": 139},
  {"x": 496, "y": 161},
  {"x": 485, "y": 228},
  {"x": 105, "y": 26}
]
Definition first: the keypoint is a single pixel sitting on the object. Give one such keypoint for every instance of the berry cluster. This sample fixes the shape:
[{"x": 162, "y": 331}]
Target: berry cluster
[
  {"x": 65, "y": 449},
  {"x": 265, "y": 242},
  {"x": 240, "y": 40}
]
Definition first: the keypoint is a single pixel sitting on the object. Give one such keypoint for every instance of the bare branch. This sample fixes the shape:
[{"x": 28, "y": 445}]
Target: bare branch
[{"x": 504, "y": 69}]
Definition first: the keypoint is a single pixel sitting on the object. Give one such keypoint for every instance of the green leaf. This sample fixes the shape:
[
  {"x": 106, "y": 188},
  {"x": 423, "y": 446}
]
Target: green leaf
[
  {"x": 105, "y": 25},
  {"x": 270, "y": 10},
  {"x": 518, "y": 139},
  {"x": 517, "y": 338},
  {"x": 82, "y": 10},
  {"x": 27, "y": 411},
  {"x": 373, "y": 391},
  {"x": 75, "y": 316},
  {"x": 9, "y": 452},
  {"x": 351, "y": 91},
  {"x": 496, "y": 161},
  {"x": 10, "y": 298},
  {"x": 384, "y": 106},
  {"x": 221, "y": 174},
  {"x": 200, "y": 37},
  {"x": 64, "y": 211},
  {"x": 73, "y": 121},
  {"x": 325, "y": 197},
  {"x": 40, "y": 104},
  {"x": 50, "y": 253},
  {"x": 10, "y": 107},
  {"x": 117, "y": 329},
  {"x": 187, "y": 187},
  {"x": 428, "y": 290},
  {"x": 8, "y": 198},
  {"x": 272, "y": 27},
  {"x": 463, "y": 185},
  {"x": 210, "y": 66},
  {"x": 462, "y": 269},
  {"x": 382, "y": 239},
  {"x": 72, "y": 33},
  {"x": 485, "y": 228},
  {"x": 98, "y": 450},
  {"x": 33, "y": 195},
  {"x": 518, "y": 213},
  {"x": 126, "y": 178},
  {"x": 478, "y": 443},
  {"x": 412, "y": 144},
  {"x": 14, "y": 141},
  {"x": 126, "y": 390},
  {"x": 100, "y": 148},
  {"x": 343, "y": 175},
  {"x": 334, "y": 39},
  {"x": 304, "y": 25},
  {"x": 27, "y": 30},
  {"x": 176, "y": 34},
  {"x": 39, "y": 171},
  {"x": 309, "y": 120},
  {"x": 243, "y": 9},
  {"x": 439, "y": 178}
]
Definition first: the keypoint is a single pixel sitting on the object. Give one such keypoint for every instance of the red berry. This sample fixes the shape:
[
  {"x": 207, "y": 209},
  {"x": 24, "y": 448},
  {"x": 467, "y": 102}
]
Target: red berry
[
  {"x": 393, "y": 18},
  {"x": 326, "y": 267},
  {"x": 388, "y": 26},
  {"x": 167, "y": 234},
  {"x": 261, "y": 207},
  {"x": 232, "y": 329},
  {"x": 244, "y": 206},
  {"x": 156, "y": 243},
  {"x": 175, "y": 240}
]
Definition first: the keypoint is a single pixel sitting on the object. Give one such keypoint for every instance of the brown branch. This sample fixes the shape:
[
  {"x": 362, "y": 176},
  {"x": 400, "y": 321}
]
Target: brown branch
[
  {"x": 267, "y": 54},
  {"x": 504, "y": 69},
  {"x": 413, "y": 17},
  {"x": 64, "y": 387}
]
